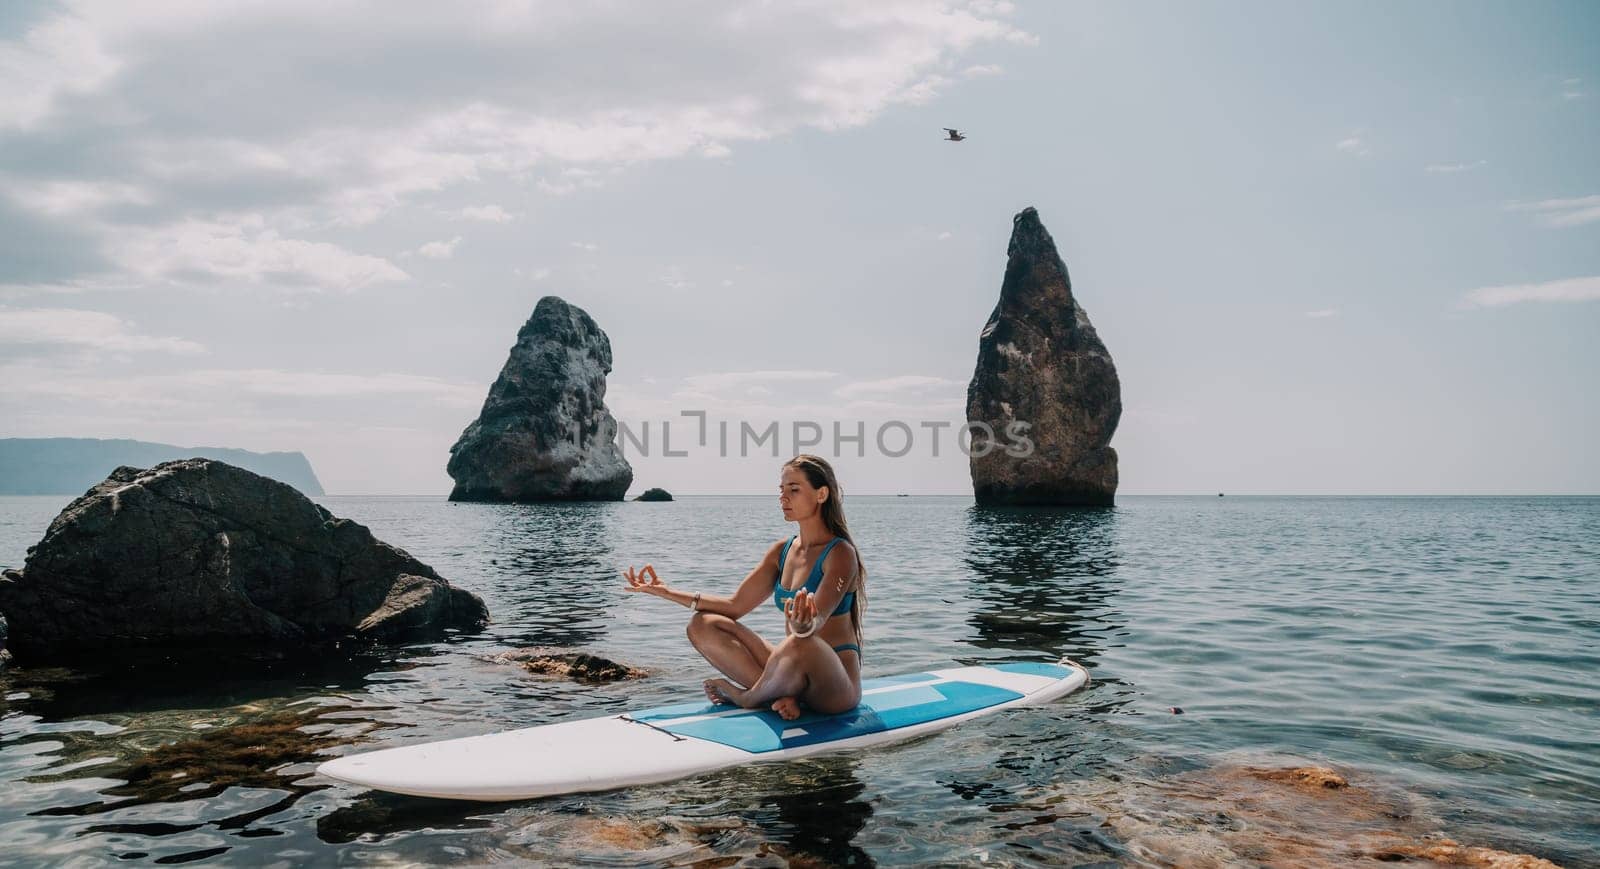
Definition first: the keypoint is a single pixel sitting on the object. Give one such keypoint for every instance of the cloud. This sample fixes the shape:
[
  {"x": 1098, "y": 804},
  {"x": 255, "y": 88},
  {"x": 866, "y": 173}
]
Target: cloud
[
  {"x": 575, "y": 178},
  {"x": 317, "y": 384},
  {"x": 531, "y": 274},
  {"x": 1450, "y": 168},
  {"x": 315, "y": 117},
  {"x": 943, "y": 236},
  {"x": 903, "y": 385},
  {"x": 71, "y": 287},
  {"x": 673, "y": 278},
  {"x": 199, "y": 252},
  {"x": 708, "y": 383},
  {"x": 73, "y": 198},
  {"x": 982, "y": 70},
  {"x": 93, "y": 330},
  {"x": 1353, "y": 145},
  {"x": 440, "y": 249},
  {"x": 485, "y": 213},
  {"x": 1586, "y": 289},
  {"x": 54, "y": 59},
  {"x": 200, "y": 387},
  {"x": 585, "y": 246},
  {"x": 1562, "y": 212},
  {"x": 1323, "y": 313}
]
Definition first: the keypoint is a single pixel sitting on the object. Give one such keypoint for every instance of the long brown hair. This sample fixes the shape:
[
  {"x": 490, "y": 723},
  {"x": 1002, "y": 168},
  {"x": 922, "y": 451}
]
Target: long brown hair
[{"x": 819, "y": 473}]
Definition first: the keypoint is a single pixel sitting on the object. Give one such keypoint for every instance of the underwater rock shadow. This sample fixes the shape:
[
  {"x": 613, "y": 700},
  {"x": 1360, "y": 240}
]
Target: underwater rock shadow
[
  {"x": 822, "y": 821},
  {"x": 258, "y": 752},
  {"x": 134, "y": 683},
  {"x": 375, "y": 815}
]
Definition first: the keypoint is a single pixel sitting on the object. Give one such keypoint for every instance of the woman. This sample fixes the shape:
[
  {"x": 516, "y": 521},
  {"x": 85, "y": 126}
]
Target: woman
[{"x": 816, "y": 579}]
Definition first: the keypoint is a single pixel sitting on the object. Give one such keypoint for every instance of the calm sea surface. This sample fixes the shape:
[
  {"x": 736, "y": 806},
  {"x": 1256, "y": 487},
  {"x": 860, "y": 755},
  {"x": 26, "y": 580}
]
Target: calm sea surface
[{"x": 1444, "y": 651}]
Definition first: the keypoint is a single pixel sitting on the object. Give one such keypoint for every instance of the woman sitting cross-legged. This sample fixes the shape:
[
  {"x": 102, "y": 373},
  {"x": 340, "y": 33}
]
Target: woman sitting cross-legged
[{"x": 816, "y": 579}]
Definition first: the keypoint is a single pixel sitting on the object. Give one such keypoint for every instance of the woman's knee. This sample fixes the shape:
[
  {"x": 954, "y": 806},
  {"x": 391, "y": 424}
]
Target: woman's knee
[
  {"x": 699, "y": 624},
  {"x": 798, "y": 647},
  {"x": 708, "y": 624}
]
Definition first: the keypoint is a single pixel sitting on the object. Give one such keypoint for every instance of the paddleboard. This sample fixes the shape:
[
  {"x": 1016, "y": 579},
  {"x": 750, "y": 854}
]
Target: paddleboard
[{"x": 671, "y": 742}]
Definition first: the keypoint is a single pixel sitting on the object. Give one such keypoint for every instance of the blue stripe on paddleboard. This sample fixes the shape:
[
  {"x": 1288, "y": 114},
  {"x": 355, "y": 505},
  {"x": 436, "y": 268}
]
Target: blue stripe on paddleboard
[
  {"x": 684, "y": 710},
  {"x": 760, "y": 731},
  {"x": 1034, "y": 668}
]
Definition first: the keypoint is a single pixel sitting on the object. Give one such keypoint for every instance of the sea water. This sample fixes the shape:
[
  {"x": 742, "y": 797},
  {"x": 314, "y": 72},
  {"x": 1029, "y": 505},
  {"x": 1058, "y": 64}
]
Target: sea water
[{"x": 1440, "y": 653}]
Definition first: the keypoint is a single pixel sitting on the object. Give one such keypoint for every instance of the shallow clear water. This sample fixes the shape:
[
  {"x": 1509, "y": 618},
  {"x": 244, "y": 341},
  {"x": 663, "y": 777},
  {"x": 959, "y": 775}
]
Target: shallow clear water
[{"x": 1444, "y": 647}]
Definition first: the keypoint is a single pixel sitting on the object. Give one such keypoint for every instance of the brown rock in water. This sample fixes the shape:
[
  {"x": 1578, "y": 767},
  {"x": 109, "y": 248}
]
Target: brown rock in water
[
  {"x": 1446, "y": 852},
  {"x": 196, "y": 557},
  {"x": 1313, "y": 777},
  {"x": 577, "y": 666},
  {"x": 249, "y": 754},
  {"x": 1270, "y": 816},
  {"x": 544, "y": 433},
  {"x": 1043, "y": 375}
]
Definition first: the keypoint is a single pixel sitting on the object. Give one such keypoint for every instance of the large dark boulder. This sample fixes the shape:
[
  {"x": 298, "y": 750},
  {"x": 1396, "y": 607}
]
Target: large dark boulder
[
  {"x": 544, "y": 433},
  {"x": 654, "y": 494},
  {"x": 198, "y": 555},
  {"x": 1041, "y": 363}
]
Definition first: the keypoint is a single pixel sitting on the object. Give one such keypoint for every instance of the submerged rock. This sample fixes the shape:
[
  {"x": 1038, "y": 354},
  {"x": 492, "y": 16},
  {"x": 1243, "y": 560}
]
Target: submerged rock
[
  {"x": 1448, "y": 852},
  {"x": 1313, "y": 777},
  {"x": 577, "y": 666},
  {"x": 249, "y": 754},
  {"x": 544, "y": 433},
  {"x": 1042, "y": 374},
  {"x": 1232, "y": 815},
  {"x": 199, "y": 555},
  {"x": 655, "y": 495}
]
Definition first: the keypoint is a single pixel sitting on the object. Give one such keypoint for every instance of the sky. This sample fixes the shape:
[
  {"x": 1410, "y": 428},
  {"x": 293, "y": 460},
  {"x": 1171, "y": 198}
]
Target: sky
[{"x": 1341, "y": 247}]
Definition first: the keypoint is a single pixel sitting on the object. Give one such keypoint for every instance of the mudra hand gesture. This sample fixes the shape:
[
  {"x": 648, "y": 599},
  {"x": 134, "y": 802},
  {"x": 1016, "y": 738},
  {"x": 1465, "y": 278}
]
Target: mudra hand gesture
[
  {"x": 640, "y": 582},
  {"x": 801, "y": 611}
]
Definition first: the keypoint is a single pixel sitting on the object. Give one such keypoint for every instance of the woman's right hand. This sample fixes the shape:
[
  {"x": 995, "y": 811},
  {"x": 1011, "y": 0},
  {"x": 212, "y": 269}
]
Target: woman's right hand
[
  {"x": 640, "y": 582},
  {"x": 801, "y": 612}
]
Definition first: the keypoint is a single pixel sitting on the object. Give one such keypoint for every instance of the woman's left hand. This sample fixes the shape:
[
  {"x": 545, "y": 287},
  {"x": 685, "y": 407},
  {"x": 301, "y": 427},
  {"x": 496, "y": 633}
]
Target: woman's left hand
[{"x": 801, "y": 609}]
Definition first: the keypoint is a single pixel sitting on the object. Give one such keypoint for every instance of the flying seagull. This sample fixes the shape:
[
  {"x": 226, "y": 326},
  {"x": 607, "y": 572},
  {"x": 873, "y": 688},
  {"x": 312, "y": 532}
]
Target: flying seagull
[{"x": 955, "y": 136}]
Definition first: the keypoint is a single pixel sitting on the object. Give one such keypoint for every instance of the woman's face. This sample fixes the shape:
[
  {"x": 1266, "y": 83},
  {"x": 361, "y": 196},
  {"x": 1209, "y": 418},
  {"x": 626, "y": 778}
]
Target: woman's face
[{"x": 798, "y": 498}]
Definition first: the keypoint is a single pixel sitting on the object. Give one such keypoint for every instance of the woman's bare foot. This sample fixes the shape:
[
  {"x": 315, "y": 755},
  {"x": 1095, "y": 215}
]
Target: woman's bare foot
[
  {"x": 722, "y": 692},
  {"x": 787, "y": 708}
]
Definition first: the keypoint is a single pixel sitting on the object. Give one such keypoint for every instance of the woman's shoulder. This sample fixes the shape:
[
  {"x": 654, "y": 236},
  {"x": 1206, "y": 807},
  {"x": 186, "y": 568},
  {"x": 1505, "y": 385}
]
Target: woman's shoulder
[{"x": 846, "y": 551}]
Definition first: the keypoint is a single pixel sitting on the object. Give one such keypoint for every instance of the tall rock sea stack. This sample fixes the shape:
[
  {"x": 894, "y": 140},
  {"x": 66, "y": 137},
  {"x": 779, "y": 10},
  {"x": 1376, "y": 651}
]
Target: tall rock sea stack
[
  {"x": 1040, "y": 362},
  {"x": 544, "y": 433}
]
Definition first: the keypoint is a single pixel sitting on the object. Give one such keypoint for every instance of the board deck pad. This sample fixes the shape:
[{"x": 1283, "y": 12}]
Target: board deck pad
[
  {"x": 883, "y": 707},
  {"x": 667, "y": 742}
]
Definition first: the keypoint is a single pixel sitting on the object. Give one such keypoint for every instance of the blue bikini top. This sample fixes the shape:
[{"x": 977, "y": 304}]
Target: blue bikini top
[{"x": 781, "y": 595}]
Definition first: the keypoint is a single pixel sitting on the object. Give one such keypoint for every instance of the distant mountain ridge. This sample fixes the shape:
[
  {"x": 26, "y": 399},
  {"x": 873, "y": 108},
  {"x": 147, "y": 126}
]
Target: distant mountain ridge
[{"x": 70, "y": 466}]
